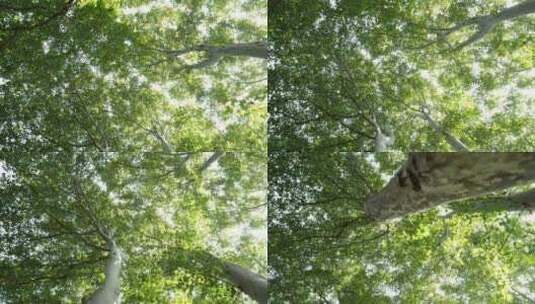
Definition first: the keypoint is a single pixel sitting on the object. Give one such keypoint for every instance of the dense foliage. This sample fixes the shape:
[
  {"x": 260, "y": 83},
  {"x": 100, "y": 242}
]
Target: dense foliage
[
  {"x": 94, "y": 67},
  {"x": 169, "y": 158},
  {"x": 337, "y": 64},
  {"x": 322, "y": 249}
]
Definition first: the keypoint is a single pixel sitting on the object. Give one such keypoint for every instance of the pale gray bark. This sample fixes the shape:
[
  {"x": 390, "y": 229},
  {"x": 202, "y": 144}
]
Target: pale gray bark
[
  {"x": 455, "y": 143},
  {"x": 250, "y": 283},
  {"x": 110, "y": 291},
  {"x": 429, "y": 179},
  {"x": 521, "y": 9},
  {"x": 485, "y": 23},
  {"x": 383, "y": 140},
  {"x": 214, "y": 53},
  {"x": 522, "y": 202}
]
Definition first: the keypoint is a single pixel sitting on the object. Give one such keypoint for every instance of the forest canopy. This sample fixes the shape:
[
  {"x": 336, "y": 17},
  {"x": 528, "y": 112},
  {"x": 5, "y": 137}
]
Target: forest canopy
[
  {"x": 132, "y": 151},
  {"x": 424, "y": 73},
  {"x": 325, "y": 246}
]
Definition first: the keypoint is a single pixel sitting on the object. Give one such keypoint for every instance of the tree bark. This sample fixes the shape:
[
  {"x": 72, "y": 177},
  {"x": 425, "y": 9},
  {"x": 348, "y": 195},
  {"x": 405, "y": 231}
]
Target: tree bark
[
  {"x": 522, "y": 202},
  {"x": 110, "y": 291},
  {"x": 523, "y": 8},
  {"x": 214, "y": 53},
  {"x": 245, "y": 280},
  {"x": 485, "y": 23},
  {"x": 383, "y": 141},
  {"x": 427, "y": 180},
  {"x": 250, "y": 283},
  {"x": 455, "y": 143}
]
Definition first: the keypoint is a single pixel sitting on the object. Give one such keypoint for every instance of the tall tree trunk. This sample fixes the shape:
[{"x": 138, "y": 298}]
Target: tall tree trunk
[
  {"x": 110, "y": 291},
  {"x": 250, "y": 283},
  {"x": 521, "y": 9},
  {"x": 430, "y": 179}
]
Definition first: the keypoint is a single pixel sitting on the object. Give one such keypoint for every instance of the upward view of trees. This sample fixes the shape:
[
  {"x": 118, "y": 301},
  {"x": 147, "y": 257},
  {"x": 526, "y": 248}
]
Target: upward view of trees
[
  {"x": 143, "y": 160},
  {"x": 468, "y": 65},
  {"x": 132, "y": 151},
  {"x": 397, "y": 228},
  {"x": 417, "y": 80}
]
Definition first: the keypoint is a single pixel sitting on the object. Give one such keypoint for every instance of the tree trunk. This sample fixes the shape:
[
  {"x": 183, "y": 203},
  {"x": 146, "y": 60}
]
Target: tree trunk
[
  {"x": 247, "y": 281},
  {"x": 250, "y": 283},
  {"x": 110, "y": 291},
  {"x": 430, "y": 179}
]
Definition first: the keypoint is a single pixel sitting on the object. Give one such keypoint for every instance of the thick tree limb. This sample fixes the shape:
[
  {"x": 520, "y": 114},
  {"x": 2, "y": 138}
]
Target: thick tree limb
[
  {"x": 427, "y": 180},
  {"x": 484, "y": 24},
  {"x": 214, "y": 53},
  {"x": 523, "y": 202},
  {"x": 250, "y": 283}
]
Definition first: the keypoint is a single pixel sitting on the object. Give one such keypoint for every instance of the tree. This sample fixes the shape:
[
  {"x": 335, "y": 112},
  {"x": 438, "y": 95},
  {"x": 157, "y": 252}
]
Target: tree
[
  {"x": 455, "y": 143},
  {"x": 430, "y": 179},
  {"x": 122, "y": 182},
  {"x": 337, "y": 63},
  {"x": 214, "y": 53},
  {"x": 65, "y": 229},
  {"x": 486, "y": 23},
  {"x": 324, "y": 248},
  {"x": 101, "y": 70},
  {"x": 42, "y": 15}
]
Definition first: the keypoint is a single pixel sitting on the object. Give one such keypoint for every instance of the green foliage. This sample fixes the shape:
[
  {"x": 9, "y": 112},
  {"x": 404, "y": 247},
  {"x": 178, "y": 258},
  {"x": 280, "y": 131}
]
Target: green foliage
[
  {"x": 92, "y": 133},
  {"x": 340, "y": 62},
  {"x": 323, "y": 250}
]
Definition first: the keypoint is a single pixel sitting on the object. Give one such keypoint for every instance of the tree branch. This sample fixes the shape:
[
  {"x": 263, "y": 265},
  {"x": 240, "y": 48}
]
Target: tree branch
[
  {"x": 212, "y": 159},
  {"x": 455, "y": 143}
]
